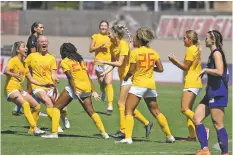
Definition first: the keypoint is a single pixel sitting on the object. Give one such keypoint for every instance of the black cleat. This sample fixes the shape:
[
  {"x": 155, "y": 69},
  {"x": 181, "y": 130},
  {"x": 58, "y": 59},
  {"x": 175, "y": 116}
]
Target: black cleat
[
  {"x": 17, "y": 113},
  {"x": 148, "y": 128},
  {"x": 118, "y": 134}
]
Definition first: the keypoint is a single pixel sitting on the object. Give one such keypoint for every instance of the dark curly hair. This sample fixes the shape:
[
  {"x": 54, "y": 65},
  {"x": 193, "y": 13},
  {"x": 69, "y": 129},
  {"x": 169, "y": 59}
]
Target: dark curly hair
[{"x": 70, "y": 51}]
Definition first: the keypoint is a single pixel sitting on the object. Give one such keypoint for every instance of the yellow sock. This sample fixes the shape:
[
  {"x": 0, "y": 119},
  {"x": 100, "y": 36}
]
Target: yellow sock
[
  {"x": 140, "y": 117},
  {"x": 129, "y": 121},
  {"x": 50, "y": 112},
  {"x": 35, "y": 114},
  {"x": 191, "y": 126},
  {"x": 55, "y": 120},
  {"x": 122, "y": 118},
  {"x": 28, "y": 115},
  {"x": 109, "y": 91},
  {"x": 98, "y": 122},
  {"x": 163, "y": 124}
]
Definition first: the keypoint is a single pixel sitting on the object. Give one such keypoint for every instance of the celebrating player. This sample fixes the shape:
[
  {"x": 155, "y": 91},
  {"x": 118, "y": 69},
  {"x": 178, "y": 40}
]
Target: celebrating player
[
  {"x": 216, "y": 97},
  {"x": 16, "y": 70},
  {"x": 80, "y": 87},
  {"x": 142, "y": 61},
  {"x": 192, "y": 67},
  {"x": 120, "y": 58},
  {"x": 100, "y": 44}
]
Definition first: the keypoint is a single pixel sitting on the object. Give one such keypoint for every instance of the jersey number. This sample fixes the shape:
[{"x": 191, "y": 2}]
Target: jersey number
[{"x": 146, "y": 60}]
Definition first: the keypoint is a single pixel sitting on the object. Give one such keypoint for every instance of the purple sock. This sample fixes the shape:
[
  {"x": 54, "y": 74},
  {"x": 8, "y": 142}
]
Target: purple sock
[
  {"x": 202, "y": 135},
  {"x": 223, "y": 140}
]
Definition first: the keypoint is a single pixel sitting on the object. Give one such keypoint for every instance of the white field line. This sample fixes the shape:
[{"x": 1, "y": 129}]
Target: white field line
[{"x": 216, "y": 146}]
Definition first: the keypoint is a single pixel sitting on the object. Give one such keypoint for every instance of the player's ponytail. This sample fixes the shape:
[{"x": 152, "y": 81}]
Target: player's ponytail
[
  {"x": 70, "y": 51},
  {"x": 192, "y": 35}
]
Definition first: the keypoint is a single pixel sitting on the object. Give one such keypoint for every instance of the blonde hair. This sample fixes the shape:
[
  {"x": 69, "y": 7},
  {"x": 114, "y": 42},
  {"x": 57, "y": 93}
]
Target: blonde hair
[
  {"x": 192, "y": 35},
  {"x": 145, "y": 35},
  {"x": 16, "y": 47},
  {"x": 119, "y": 30}
]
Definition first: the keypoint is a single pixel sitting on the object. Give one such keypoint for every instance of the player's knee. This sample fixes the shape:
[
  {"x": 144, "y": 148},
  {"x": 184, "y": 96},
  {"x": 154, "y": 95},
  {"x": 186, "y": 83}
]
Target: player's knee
[
  {"x": 218, "y": 125},
  {"x": 47, "y": 102},
  {"x": 183, "y": 109},
  {"x": 196, "y": 120}
]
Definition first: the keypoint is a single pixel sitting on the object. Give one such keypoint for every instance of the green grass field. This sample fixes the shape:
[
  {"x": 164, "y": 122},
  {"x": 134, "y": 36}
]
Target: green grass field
[{"x": 83, "y": 138}]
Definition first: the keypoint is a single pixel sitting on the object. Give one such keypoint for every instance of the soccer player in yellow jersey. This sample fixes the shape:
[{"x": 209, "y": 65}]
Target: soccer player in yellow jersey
[
  {"x": 16, "y": 71},
  {"x": 120, "y": 51},
  {"x": 43, "y": 66},
  {"x": 80, "y": 87},
  {"x": 142, "y": 62},
  {"x": 100, "y": 44},
  {"x": 191, "y": 67}
]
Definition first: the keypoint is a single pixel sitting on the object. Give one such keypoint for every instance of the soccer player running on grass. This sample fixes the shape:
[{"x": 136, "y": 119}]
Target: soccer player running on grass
[
  {"x": 120, "y": 51},
  {"x": 80, "y": 87}
]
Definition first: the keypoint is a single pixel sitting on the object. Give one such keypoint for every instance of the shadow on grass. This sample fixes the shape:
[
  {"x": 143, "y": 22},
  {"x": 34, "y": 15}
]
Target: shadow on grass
[{"x": 27, "y": 127}]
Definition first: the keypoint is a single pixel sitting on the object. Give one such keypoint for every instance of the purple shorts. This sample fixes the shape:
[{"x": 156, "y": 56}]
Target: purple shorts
[{"x": 218, "y": 101}]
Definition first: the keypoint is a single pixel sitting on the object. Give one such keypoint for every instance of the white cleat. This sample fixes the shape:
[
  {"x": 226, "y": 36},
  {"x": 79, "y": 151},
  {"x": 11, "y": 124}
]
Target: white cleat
[
  {"x": 53, "y": 135},
  {"x": 60, "y": 129},
  {"x": 39, "y": 132},
  {"x": 170, "y": 139},
  {"x": 105, "y": 136},
  {"x": 124, "y": 141},
  {"x": 65, "y": 122},
  {"x": 109, "y": 109}
]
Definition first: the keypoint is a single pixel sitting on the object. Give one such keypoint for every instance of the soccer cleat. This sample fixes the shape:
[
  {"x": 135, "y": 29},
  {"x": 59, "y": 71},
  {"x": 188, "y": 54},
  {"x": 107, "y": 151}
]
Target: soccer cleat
[
  {"x": 39, "y": 132},
  {"x": 148, "y": 128},
  {"x": 124, "y": 141},
  {"x": 109, "y": 109},
  {"x": 53, "y": 135},
  {"x": 105, "y": 136},
  {"x": 60, "y": 129},
  {"x": 170, "y": 139},
  {"x": 65, "y": 122},
  {"x": 207, "y": 132},
  {"x": 43, "y": 114},
  {"x": 103, "y": 96},
  {"x": 17, "y": 113},
  {"x": 204, "y": 152},
  {"x": 118, "y": 134}
]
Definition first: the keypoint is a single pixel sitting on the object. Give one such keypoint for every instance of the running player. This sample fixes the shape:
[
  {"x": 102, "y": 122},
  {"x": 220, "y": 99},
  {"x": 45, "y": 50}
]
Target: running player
[
  {"x": 192, "y": 67},
  {"x": 216, "y": 97},
  {"x": 43, "y": 66},
  {"x": 16, "y": 71},
  {"x": 100, "y": 44},
  {"x": 80, "y": 87},
  {"x": 142, "y": 61},
  {"x": 37, "y": 29},
  {"x": 120, "y": 58}
]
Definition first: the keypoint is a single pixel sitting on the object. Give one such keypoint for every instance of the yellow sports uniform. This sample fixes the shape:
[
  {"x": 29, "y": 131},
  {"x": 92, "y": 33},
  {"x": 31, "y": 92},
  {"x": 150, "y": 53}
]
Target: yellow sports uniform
[
  {"x": 102, "y": 53},
  {"x": 16, "y": 66},
  {"x": 78, "y": 73},
  {"x": 145, "y": 59},
  {"x": 191, "y": 75},
  {"x": 122, "y": 50},
  {"x": 42, "y": 67}
]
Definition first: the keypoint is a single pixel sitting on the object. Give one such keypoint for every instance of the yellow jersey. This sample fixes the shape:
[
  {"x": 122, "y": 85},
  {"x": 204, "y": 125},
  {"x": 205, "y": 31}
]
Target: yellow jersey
[
  {"x": 42, "y": 67},
  {"x": 122, "y": 50},
  {"x": 102, "y": 53},
  {"x": 190, "y": 76},
  {"x": 79, "y": 74},
  {"x": 145, "y": 59},
  {"x": 16, "y": 66}
]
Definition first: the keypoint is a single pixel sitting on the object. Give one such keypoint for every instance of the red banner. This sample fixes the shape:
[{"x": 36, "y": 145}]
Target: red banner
[
  {"x": 174, "y": 27},
  {"x": 10, "y": 22}
]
